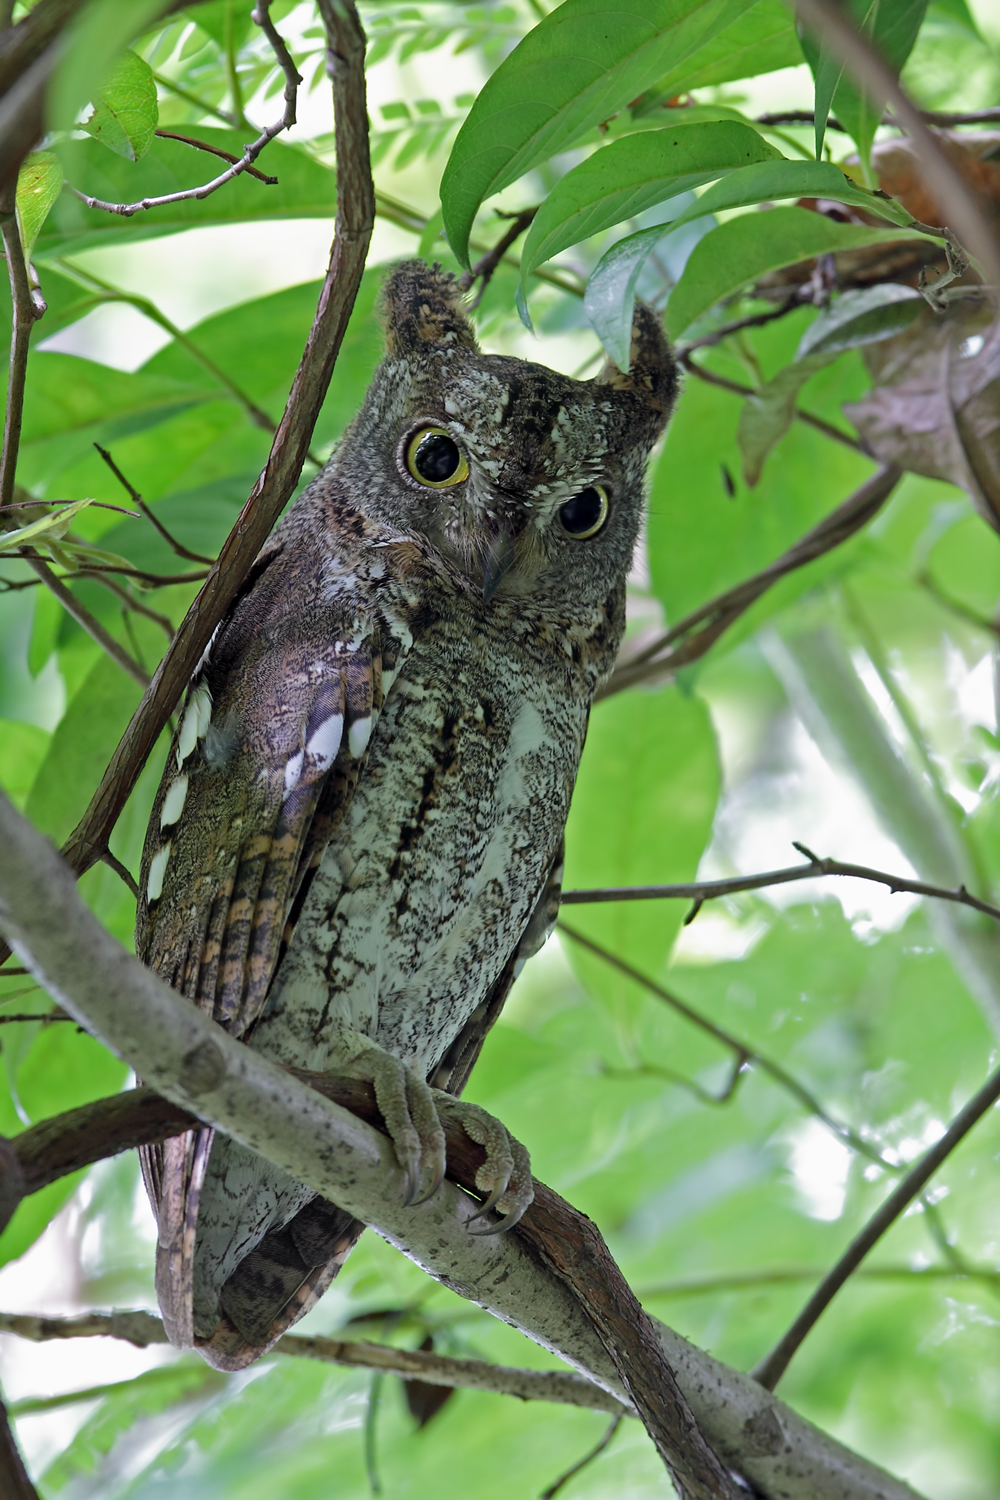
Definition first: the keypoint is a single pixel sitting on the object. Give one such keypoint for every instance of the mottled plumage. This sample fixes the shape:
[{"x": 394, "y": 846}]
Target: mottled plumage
[{"x": 358, "y": 835}]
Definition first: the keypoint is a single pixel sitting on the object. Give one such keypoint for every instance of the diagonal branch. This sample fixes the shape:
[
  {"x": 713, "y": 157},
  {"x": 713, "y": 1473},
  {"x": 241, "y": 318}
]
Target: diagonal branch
[
  {"x": 355, "y": 215},
  {"x": 88, "y": 622},
  {"x": 771, "y": 1369},
  {"x": 25, "y": 313},
  {"x": 200, "y": 1068},
  {"x": 700, "y": 891},
  {"x": 239, "y": 165},
  {"x": 954, "y": 197},
  {"x": 691, "y": 637}
]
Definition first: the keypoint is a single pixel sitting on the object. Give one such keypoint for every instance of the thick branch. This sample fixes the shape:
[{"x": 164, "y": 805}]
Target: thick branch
[
  {"x": 355, "y": 215},
  {"x": 771, "y": 1369},
  {"x": 700, "y": 891},
  {"x": 143, "y": 1329},
  {"x": 956, "y": 200},
  {"x": 199, "y": 1067},
  {"x": 691, "y": 637}
]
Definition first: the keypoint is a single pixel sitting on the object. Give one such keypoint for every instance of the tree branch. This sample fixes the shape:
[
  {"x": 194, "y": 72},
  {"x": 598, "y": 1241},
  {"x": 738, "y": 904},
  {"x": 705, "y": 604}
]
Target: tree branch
[
  {"x": 200, "y": 1068},
  {"x": 149, "y": 513},
  {"x": 88, "y": 622},
  {"x": 750, "y": 1281},
  {"x": 355, "y": 215},
  {"x": 187, "y": 140},
  {"x": 143, "y": 1329},
  {"x": 25, "y": 313},
  {"x": 711, "y": 378},
  {"x": 241, "y": 164},
  {"x": 691, "y": 637},
  {"x": 954, "y": 197},
  {"x": 700, "y": 891},
  {"x": 771, "y": 1369}
]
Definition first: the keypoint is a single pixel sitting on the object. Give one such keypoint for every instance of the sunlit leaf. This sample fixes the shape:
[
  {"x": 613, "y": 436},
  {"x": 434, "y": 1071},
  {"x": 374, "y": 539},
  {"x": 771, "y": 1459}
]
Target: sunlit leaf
[
  {"x": 125, "y": 111},
  {"x": 745, "y": 248},
  {"x": 577, "y": 67},
  {"x": 39, "y": 184}
]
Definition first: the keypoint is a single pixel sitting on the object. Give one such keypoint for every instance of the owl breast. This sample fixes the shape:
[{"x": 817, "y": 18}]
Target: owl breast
[{"x": 425, "y": 892}]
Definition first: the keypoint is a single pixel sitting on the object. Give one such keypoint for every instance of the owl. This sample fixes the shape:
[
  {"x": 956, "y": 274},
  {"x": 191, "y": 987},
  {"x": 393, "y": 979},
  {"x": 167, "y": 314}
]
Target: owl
[{"x": 357, "y": 839}]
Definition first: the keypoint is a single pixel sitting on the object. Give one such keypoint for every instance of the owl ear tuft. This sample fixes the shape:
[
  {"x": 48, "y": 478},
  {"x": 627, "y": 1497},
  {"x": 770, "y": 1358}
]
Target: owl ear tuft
[
  {"x": 422, "y": 306},
  {"x": 652, "y": 371}
]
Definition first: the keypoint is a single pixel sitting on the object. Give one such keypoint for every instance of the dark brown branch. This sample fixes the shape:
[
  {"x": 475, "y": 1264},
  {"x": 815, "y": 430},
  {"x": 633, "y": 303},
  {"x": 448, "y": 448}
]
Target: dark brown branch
[
  {"x": 709, "y": 376},
  {"x": 771, "y": 1369},
  {"x": 565, "y": 1240},
  {"x": 128, "y": 602},
  {"x": 187, "y": 140},
  {"x": 25, "y": 313},
  {"x": 355, "y": 215},
  {"x": 929, "y": 116},
  {"x": 708, "y": 890},
  {"x": 240, "y": 164},
  {"x": 29, "y": 504},
  {"x": 754, "y": 320},
  {"x": 124, "y": 875},
  {"x": 14, "y": 1481},
  {"x": 689, "y": 640},
  {"x": 748, "y": 1056},
  {"x": 738, "y": 1281},
  {"x": 956, "y": 200},
  {"x": 148, "y": 512},
  {"x": 88, "y": 622}
]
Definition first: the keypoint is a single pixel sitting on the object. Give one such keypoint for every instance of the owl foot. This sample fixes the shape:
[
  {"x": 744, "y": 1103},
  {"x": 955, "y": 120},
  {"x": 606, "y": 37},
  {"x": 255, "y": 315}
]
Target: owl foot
[
  {"x": 407, "y": 1106},
  {"x": 505, "y": 1175}
]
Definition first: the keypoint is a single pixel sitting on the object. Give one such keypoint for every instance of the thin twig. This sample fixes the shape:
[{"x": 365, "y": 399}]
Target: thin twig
[
  {"x": 755, "y": 320},
  {"x": 123, "y": 874},
  {"x": 25, "y": 313},
  {"x": 29, "y": 504},
  {"x": 749, "y": 1056},
  {"x": 143, "y": 1329},
  {"x": 188, "y": 140},
  {"x": 582, "y": 1463},
  {"x": 929, "y": 116},
  {"x": 708, "y": 890},
  {"x": 691, "y": 637},
  {"x": 14, "y": 1481},
  {"x": 130, "y": 603},
  {"x": 924, "y": 580},
  {"x": 955, "y": 198},
  {"x": 711, "y": 378},
  {"x": 485, "y": 267},
  {"x": 151, "y": 516},
  {"x": 88, "y": 622},
  {"x": 749, "y": 1281},
  {"x": 771, "y": 1369},
  {"x": 261, "y": 16}
]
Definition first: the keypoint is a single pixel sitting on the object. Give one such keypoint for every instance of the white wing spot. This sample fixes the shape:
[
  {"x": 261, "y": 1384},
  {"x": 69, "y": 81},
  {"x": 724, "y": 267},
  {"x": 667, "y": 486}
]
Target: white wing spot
[
  {"x": 173, "y": 802},
  {"x": 197, "y": 717},
  {"x": 157, "y": 870},
  {"x": 358, "y": 736},
  {"x": 324, "y": 742},
  {"x": 293, "y": 770}
]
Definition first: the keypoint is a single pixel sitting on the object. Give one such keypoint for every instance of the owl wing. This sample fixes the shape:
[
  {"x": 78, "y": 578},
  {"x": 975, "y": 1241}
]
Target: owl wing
[{"x": 260, "y": 774}]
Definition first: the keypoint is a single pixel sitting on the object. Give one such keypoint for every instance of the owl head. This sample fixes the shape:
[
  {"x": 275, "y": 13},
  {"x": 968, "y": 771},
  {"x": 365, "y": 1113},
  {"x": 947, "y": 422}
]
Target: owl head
[{"x": 526, "y": 481}]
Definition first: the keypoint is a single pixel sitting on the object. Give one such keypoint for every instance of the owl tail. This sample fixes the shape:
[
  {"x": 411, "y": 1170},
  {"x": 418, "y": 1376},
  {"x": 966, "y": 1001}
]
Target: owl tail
[{"x": 270, "y": 1289}]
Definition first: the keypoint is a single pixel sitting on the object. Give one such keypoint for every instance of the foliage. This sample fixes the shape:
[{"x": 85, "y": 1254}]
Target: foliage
[{"x": 705, "y": 1176}]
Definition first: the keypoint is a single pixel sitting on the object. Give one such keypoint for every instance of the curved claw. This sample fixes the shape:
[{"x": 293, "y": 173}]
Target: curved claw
[
  {"x": 507, "y": 1222},
  {"x": 491, "y": 1201},
  {"x": 435, "y": 1184},
  {"x": 412, "y": 1186}
]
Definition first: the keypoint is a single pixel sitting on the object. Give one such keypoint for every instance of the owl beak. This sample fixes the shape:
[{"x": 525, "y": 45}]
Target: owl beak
[{"x": 497, "y": 562}]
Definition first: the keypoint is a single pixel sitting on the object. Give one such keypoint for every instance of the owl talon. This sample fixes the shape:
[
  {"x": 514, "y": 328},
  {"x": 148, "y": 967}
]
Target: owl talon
[{"x": 505, "y": 1175}]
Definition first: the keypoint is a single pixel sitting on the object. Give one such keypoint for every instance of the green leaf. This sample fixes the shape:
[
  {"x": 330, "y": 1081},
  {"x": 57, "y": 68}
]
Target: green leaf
[
  {"x": 81, "y": 747},
  {"x": 634, "y": 173},
  {"x": 746, "y": 248},
  {"x": 610, "y": 295},
  {"x": 864, "y": 316},
  {"x": 305, "y": 190},
  {"x": 49, "y": 527},
  {"x": 45, "y": 623},
  {"x": 642, "y": 812},
  {"x": 892, "y": 27},
  {"x": 39, "y": 184},
  {"x": 92, "y": 43},
  {"x": 22, "y": 749},
  {"x": 580, "y": 65},
  {"x": 125, "y": 113},
  {"x": 760, "y": 40},
  {"x": 767, "y": 414}
]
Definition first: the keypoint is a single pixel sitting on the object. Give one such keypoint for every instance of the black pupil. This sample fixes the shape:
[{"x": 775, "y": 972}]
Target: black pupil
[
  {"x": 582, "y": 512},
  {"x": 436, "y": 458}
]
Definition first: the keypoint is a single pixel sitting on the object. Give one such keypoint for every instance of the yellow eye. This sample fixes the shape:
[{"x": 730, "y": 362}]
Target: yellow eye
[
  {"x": 586, "y": 513},
  {"x": 434, "y": 459}
]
